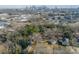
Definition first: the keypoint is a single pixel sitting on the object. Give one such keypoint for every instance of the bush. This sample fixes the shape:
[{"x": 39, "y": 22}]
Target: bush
[
  {"x": 23, "y": 43},
  {"x": 30, "y": 29},
  {"x": 41, "y": 29}
]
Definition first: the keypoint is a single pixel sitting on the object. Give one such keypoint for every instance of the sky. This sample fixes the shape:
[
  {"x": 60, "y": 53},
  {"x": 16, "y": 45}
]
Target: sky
[
  {"x": 50, "y": 6},
  {"x": 11, "y": 6}
]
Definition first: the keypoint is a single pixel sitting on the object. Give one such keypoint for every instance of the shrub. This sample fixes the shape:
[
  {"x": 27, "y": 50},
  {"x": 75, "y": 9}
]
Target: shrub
[{"x": 23, "y": 43}]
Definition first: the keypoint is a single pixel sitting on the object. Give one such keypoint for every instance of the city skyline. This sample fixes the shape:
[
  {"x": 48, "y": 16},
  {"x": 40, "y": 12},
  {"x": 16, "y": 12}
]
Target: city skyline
[{"x": 50, "y": 6}]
